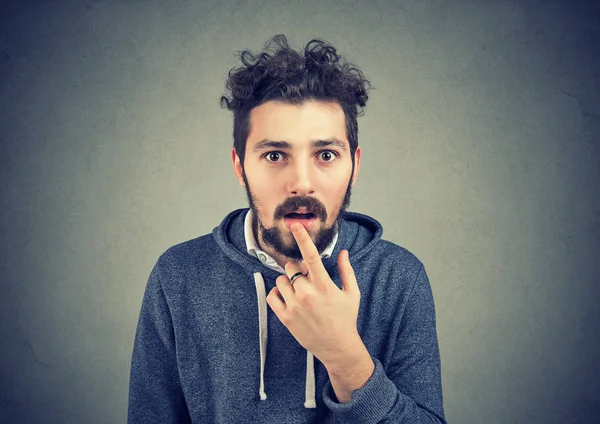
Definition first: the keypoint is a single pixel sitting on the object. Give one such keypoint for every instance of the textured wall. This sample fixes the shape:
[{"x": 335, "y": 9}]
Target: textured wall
[{"x": 481, "y": 155}]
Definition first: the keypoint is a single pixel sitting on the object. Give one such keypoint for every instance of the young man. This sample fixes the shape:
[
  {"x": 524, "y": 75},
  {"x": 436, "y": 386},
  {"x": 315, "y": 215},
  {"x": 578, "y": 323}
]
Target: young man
[{"x": 294, "y": 310}]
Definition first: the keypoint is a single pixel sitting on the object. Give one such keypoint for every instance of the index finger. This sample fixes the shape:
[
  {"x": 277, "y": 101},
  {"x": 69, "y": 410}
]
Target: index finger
[{"x": 309, "y": 251}]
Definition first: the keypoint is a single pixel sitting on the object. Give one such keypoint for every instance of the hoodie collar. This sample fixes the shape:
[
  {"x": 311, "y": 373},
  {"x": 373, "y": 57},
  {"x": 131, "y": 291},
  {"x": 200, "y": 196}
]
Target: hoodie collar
[{"x": 357, "y": 233}]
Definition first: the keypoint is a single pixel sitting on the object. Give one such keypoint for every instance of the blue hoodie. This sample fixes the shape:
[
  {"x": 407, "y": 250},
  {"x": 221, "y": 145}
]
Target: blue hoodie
[{"x": 208, "y": 349}]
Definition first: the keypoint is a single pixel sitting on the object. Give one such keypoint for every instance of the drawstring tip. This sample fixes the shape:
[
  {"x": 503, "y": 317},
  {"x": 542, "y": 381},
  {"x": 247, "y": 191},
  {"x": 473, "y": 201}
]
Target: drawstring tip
[
  {"x": 263, "y": 396},
  {"x": 310, "y": 404}
]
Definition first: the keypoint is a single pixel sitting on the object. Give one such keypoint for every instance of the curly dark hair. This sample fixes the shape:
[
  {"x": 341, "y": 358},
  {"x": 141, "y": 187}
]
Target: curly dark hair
[{"x": 287, "y": 75}]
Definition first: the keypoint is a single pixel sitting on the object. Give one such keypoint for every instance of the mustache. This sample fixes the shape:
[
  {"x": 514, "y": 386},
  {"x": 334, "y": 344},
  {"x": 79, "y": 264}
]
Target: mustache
[{"x": 293, "y": 203}]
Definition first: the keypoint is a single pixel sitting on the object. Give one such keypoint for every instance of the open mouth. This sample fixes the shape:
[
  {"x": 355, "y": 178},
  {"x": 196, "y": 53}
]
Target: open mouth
[
  {"x": 308, "y": 220},
  {"x": 294, "y": 215}
]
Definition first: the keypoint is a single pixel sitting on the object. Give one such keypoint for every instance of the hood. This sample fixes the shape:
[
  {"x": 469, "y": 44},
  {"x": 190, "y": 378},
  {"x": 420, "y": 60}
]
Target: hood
[{"x": 357, "y": 234}]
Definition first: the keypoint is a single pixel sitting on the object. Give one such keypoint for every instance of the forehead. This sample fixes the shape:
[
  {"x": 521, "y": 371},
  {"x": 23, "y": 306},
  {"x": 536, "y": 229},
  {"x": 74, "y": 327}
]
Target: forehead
[{"x": 298, "y": 124}]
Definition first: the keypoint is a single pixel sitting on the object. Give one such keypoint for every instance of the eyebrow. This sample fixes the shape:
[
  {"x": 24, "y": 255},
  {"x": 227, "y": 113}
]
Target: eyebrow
[{"x": 266, "y": 144}]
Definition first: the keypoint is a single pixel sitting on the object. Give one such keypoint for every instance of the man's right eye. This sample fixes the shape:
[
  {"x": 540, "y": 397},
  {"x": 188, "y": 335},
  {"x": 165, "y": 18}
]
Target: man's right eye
[{"x": 272, "y": 156}]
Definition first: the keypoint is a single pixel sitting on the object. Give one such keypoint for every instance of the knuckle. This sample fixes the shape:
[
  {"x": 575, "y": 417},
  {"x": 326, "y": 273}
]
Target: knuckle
[
  {"x": 272, "y": 296},
  {"x": 288, "y": 266},
  {"x": 285, "y": 319},
  {"x": 306, "y": 297},
  {"x": 291, "y": 310}
]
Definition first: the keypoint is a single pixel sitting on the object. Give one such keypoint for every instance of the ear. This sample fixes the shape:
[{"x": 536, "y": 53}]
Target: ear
[
  {"x": 237, "y": 167},
  {"x": 357, "y": 154}
]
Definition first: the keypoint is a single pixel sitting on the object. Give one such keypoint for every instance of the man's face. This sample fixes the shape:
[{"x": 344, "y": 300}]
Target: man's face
[{"x": 296, "y": 173}]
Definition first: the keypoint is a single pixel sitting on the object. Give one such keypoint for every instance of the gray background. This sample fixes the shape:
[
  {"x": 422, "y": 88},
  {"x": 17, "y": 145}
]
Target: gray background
[{"x": 480, "y": 155}]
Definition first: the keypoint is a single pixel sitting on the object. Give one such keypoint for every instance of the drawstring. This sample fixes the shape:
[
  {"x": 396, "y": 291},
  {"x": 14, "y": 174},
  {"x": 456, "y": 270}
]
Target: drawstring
[
  {"x": 262, "y": 329},
  {"x": 309, "y": 390}
]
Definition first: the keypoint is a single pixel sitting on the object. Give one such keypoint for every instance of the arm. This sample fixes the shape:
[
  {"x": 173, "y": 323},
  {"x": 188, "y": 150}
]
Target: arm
[
  {"x": 409, "y": 390},
  {"x": 155, "y": 394}
]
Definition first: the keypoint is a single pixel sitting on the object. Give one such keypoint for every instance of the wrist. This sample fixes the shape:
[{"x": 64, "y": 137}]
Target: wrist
[
  {"x": 355, "y": 361},
  {"x": 350, "y": 375}
]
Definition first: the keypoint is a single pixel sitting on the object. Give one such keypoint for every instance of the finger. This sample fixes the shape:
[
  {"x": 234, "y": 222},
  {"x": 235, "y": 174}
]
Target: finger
[
  {"x": 349, "y": 283},
  {"x": 275, "y": 302},
  {"x": 285, "y": 288},
  {"x": 309, "y": 251},
  {"x": 293, "y": 267},
  {"x": 304, "y": 269}
]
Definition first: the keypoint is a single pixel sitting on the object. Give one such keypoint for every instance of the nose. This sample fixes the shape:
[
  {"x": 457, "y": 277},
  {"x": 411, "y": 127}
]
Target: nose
[{"x": 301, "y": 176}]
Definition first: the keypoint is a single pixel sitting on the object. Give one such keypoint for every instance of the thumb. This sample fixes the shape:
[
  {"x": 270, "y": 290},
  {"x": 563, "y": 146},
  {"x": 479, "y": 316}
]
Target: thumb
[{"x": 347, "y": 275}]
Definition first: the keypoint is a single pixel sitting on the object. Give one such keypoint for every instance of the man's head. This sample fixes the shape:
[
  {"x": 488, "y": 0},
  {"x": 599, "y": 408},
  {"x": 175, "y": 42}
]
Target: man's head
[{"x": 296, "y": 138}]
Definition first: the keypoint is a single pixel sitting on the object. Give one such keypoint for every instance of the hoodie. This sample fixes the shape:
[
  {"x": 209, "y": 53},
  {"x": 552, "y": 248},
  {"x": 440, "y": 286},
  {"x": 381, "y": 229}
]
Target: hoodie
[{"x": 208, "y": 349}]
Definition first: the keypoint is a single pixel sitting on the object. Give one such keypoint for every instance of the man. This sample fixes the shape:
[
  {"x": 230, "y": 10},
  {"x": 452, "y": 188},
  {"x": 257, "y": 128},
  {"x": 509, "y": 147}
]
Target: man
[{"x": 294, "y": 310}]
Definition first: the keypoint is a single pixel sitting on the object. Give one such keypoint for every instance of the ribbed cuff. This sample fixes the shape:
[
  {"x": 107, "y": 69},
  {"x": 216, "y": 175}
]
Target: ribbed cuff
[{"x": 369, "y": 404}]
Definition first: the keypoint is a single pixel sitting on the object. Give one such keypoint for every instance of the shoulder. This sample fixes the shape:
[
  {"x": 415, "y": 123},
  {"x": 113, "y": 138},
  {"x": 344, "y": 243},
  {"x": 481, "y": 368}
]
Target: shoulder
[
  {"x": 181, "y": 259},
  {"x": 394, "y": 255},
  {"x": 394, "y": 268}
]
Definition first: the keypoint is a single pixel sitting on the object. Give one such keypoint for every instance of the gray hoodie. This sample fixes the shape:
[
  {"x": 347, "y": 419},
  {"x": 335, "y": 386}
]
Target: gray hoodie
[{"x": 208, "y": 349}]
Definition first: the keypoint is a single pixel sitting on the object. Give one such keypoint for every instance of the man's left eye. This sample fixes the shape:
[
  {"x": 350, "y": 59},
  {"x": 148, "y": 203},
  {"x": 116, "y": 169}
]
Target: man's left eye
[{"x": 328, "y": 155}]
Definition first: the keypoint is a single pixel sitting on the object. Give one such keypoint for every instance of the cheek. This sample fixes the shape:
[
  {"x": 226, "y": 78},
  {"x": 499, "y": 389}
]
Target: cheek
[
  {"x": 264, "y": 179},
  {"x": 265, "y": 193},
  {"x": 260, "y": 181},
  {"x": 335, "y": 186},
  {"x": 333, "y": 196}
]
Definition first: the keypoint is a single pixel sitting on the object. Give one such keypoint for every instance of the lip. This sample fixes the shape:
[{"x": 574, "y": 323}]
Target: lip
[
  {"x": 303, "y": 209},
  {"x": 307, "y": 223}
]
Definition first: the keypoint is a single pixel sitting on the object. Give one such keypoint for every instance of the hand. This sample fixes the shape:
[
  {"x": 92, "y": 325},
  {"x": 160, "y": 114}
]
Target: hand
[{"x": 317, "y": 313}]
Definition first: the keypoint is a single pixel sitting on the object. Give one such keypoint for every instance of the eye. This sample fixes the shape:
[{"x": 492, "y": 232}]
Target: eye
[
  {"x": 272, "y": 155},
  {"x": 328, "y": 155}
]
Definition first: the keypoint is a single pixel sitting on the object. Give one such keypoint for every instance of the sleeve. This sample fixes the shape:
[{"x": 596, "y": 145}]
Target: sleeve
[
  {"x": 409, "y": 391},
  {"x": 155, "y": 393}
]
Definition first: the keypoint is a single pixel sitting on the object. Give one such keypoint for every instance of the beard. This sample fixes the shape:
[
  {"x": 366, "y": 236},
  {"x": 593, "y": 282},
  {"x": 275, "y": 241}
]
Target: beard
[{"x": 273, "y": 236}]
